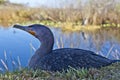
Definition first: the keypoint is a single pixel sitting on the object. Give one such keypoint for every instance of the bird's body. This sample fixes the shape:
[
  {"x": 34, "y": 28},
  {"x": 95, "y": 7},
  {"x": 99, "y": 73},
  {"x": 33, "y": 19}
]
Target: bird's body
[
  {"x": 63, "y": 58},
  {"x": 60, "y": 59}
]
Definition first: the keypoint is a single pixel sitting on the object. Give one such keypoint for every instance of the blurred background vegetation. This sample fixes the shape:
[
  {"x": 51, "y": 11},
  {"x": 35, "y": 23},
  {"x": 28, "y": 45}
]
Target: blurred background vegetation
[
  {"x": 3, "y": 1},
  {"x": 91, "y": 12}
]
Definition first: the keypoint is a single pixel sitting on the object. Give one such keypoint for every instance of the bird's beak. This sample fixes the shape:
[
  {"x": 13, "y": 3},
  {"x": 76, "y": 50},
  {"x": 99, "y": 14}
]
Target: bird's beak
[
  {"x": 25, "y": 28},
  {"x": 20, "y": 27}
]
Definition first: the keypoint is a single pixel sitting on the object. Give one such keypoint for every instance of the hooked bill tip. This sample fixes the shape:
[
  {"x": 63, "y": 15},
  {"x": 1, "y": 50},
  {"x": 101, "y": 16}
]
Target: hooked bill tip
[
  {"x": 19, "y": 26},
  {"x": 16, "y": 26}
]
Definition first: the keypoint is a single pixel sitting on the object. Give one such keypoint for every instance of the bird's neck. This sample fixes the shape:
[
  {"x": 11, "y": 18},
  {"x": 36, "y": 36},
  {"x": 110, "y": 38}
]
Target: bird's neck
[{"x": 45, "y": 48}]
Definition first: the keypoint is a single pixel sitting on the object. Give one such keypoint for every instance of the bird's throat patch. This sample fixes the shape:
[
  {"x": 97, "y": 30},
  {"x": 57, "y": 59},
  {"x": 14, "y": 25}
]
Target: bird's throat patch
[{"x": 31, "y": 32}]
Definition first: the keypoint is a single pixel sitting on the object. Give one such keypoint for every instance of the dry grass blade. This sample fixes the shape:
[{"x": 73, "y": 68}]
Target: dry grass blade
[
  {"x": 5, "y": 66},
  {"x": 19, "y": 63},
  {"x": 116, "y": 54},
  {"x": 5, "y": 55},
  {"x": 57, "y": 42},
  {"x": 13, "y": 62},
  {"x": 33, "y": 48},
  {"x": 62, "y": 44},
  {"x": 109, "y": 51}
]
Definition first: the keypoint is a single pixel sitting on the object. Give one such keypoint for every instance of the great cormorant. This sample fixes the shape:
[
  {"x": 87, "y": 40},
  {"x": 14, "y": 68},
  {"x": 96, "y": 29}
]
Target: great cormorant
[{"x": 60, "y": 59}]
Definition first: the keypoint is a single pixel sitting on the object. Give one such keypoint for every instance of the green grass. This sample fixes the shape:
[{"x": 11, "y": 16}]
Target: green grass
[{"x": 111, "y": 72}]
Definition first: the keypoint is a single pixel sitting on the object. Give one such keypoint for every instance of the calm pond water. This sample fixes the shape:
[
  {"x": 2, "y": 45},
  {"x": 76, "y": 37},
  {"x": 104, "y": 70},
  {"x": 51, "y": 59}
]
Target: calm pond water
[{"x": 17, "y": 46}]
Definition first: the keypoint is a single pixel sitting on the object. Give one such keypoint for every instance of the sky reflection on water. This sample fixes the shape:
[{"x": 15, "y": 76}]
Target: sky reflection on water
[{"x": 15, "y": 42}]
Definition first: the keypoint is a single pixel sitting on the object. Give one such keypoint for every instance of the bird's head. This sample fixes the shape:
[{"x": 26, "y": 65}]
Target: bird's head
[{"x": 41, "y": 32}]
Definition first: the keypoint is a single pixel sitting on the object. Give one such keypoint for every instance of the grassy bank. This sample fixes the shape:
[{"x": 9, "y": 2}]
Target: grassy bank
[{"x": 111, "y": 72}]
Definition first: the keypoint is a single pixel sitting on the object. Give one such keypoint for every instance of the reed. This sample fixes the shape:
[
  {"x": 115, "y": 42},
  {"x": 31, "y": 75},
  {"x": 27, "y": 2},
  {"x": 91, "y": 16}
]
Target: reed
[
  {"x": 109, "y": 51},
  {"x": 9, "y": 61},
  {"x": 19, "y": 63},
  {"x": 4, "y": 64},
  {"x": 33, "y": 48},
  {"x": 57, "y": 43}
]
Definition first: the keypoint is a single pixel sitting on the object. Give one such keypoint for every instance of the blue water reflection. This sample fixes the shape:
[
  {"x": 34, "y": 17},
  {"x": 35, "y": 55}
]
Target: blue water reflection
[{"x": 18, "y": 44}]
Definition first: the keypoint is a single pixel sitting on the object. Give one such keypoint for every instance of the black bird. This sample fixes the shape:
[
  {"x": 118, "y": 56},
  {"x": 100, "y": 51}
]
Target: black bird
[{"x": 60, "y": 59}]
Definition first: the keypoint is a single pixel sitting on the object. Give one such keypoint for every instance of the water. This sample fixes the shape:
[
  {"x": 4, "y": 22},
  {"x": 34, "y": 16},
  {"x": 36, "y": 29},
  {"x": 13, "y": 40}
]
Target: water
[{"x": 18, "y": 44}]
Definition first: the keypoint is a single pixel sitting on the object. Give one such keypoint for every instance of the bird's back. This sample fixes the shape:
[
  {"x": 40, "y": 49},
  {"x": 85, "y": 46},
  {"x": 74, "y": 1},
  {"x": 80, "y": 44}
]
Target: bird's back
[{"x": 60, "y": 59}]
